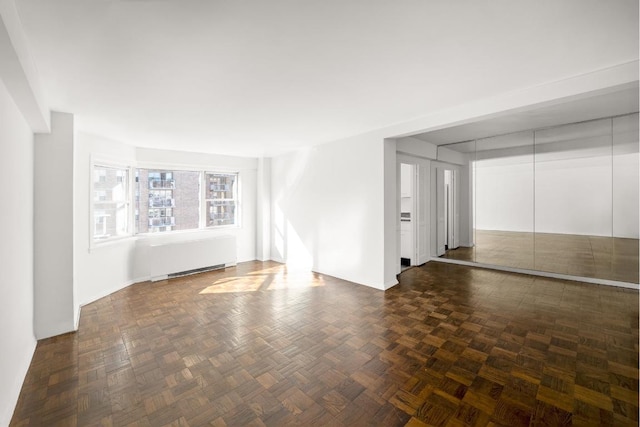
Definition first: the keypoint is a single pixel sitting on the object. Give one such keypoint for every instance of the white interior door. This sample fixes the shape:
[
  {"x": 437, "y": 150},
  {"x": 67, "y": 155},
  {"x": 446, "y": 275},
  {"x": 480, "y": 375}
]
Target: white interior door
[{"x": 440, "y": 212}]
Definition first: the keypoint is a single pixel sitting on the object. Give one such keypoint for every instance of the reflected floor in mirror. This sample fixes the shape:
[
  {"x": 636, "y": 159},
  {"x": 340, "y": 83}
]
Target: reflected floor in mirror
[
  {"x": 258, "y": 344},
  {"x": 587, "y": 256}
]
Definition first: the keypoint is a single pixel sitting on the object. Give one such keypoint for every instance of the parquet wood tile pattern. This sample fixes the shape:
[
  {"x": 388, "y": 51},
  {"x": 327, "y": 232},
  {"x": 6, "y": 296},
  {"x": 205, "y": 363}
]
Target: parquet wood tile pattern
[
  {"x": 260, "y": 345},
  {"x": 599, "y": 257}
]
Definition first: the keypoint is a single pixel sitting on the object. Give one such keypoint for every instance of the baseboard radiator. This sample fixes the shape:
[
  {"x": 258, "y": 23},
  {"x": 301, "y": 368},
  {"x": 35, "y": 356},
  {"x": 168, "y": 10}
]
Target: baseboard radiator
[{"x": 172, "y": 258}]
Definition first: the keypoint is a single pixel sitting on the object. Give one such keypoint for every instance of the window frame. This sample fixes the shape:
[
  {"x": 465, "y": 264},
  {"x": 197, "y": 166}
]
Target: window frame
[
  {"x": 203, "y": 171},
  {"x": 236, "y": 199},
  {"x": 130, "y": 203},
  {"x": 126, "y": 201},
  {"x": 173, "y": 168}
]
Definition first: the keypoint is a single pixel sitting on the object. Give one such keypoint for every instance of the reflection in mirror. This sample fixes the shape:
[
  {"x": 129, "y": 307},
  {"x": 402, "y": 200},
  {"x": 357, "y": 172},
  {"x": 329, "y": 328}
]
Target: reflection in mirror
[
  {"x": 561, "y": 200},
  {"x": 573, "y": 199},
  {"x": 504, "y": 200},
  {"x": 624, "y": 264},
  {"x": 459, "y": 201}
]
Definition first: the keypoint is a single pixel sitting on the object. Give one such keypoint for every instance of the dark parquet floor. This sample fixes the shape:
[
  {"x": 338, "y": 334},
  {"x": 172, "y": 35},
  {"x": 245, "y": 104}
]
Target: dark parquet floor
[{"x": 259, "y": 345}]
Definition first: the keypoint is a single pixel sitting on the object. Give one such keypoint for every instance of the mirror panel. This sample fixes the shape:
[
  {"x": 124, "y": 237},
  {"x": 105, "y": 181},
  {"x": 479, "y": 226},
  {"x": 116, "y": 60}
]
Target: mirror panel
[
  {"x": 624, "y": 264},
  {"x": 573, "y": 199},
  {"x": 562, "y": 200},
  {"x": 504, "y": 200},
  {"x": 463, "y": 205}
]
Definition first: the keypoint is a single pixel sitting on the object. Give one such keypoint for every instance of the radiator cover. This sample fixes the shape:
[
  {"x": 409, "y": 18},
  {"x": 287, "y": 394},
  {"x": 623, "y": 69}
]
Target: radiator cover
[{"x": 163, "y": 257}]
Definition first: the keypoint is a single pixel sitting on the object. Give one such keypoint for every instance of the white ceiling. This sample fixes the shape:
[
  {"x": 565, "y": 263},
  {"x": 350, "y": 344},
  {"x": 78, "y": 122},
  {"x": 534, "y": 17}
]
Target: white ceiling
[{"x": 255, "y": 77}]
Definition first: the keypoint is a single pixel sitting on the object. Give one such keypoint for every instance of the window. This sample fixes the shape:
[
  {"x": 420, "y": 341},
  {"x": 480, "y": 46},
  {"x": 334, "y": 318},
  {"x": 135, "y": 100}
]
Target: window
[
  {"x": 163, "y": 200},
  {"x": 110, "y": 202},
  {"x": 167, "y": 200},
  {"x": 221, "y": 198}
]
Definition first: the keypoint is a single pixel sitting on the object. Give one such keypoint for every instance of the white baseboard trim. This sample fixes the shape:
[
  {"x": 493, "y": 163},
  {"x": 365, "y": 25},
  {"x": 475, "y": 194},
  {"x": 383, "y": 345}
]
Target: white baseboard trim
[
  {"x": 592, "y": 280},
  {"x": 390, "y": 284}
]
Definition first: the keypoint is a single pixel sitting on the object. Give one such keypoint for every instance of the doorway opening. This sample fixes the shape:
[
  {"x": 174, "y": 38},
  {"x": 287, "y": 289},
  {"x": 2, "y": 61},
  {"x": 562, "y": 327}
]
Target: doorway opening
[{"x": 407, "y": 215}]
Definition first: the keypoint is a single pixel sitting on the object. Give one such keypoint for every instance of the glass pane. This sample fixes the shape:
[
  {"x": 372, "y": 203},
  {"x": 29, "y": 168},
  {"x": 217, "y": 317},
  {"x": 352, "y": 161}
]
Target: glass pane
[
  {"x": 623, "y": 263},
  {"x": 573, "y": 199},
  {"x": 221, "y": 212},
  {"x": 458, "y": 199},
  {"x": 167, "y": 200},
  {"x": 109, "y": 184},
  {"x": 161, "y": 179},
  {"x": 221, "y": 193},
  {"x": 221, "y": 186},
  {"x": 110, "y": 208},
  {"x": 504, "y": 200},
  {"x": 109, "y": 220}
]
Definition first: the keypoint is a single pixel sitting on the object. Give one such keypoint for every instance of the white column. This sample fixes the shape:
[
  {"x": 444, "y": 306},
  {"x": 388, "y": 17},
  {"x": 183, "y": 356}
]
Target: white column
[
  {"x": 53, "y": 224},
  {"x": 263, "y": 210}
]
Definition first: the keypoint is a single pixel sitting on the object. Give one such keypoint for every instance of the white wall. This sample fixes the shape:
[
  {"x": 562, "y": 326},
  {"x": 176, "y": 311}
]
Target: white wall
[
  {"x": 504, "y": 190},
  {"x": 447, "y": 155},
  {"x": 416, "y": 147},
  {"x": 16, "y": 254},
  {"x": 55, "y": 309},
  {"x": 328, "y": 209},
  {"x": 390, "y": 221},
  {"x": 573, "y": 179},
  {"x": 104, "y": 268},
  {"x": 574, "y": 196},
  {"x": 585, "y": 180}
]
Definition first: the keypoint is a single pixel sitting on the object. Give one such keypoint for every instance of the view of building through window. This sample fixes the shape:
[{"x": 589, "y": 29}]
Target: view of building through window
[
  {"x": 221, "y": 195},
  {"x": 167, "y": 200},
  {"x": 110, "y": 202},
  {"x": 164, "y": 200}
]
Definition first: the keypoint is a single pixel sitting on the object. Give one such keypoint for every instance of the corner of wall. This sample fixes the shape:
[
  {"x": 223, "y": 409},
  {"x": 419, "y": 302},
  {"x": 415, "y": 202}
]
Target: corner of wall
[
  {"x": 263, "y": 210},
  {"x": 54, "y": 309},
  {"x": 389, "y": 186}
]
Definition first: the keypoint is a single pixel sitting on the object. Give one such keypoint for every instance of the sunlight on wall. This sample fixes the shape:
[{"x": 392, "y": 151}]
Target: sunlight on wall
[
  {"x": 278, "y": 236},
  {"x": 298, "y": 255},
  {"x": 287, "y": 245}
]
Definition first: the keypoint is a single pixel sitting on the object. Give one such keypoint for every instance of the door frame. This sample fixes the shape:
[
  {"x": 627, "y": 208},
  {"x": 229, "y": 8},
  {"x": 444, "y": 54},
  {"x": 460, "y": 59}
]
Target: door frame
[{"x": 421, "y": 209}]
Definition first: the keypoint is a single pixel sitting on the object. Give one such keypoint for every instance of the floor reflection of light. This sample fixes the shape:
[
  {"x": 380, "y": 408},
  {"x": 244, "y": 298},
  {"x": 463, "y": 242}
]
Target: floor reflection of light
[{"x": 265, "y": 280}]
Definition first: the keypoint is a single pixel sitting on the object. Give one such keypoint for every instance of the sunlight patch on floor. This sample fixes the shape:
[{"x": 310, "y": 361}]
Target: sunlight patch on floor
[{"x": 264, "y": 282}]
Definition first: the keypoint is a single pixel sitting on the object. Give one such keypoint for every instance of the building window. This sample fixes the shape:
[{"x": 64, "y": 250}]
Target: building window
[
  {"x": 221, "y": 197},
  {"x": 110, "y": 202},
  {"x": 167, "y": 200}
]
